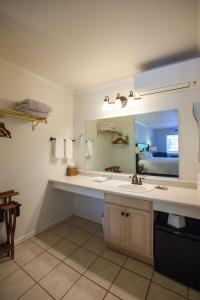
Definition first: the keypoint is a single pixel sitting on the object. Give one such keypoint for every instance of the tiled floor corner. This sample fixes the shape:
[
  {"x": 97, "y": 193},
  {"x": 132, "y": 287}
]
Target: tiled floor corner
[{"x": 70, "y": 261}]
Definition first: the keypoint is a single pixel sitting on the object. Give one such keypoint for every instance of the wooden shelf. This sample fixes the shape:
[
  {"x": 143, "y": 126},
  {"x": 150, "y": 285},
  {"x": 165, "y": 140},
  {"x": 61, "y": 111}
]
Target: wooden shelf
[
  {"x": 114, "y": 132},
  {"x": 22, "y": 116}
]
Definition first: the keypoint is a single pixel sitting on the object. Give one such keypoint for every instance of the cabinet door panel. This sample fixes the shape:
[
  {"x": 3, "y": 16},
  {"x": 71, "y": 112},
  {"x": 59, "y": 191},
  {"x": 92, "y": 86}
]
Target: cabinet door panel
[
  {"x": 138, "y": 232},
  {"x": 114, "y": 224}
]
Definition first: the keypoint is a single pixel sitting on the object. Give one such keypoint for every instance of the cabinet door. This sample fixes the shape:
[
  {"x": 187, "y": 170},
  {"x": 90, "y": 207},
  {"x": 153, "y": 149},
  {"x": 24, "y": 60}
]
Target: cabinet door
[
  {"x": 114, "y": 224},
  {"x": 138, "y": 232}
]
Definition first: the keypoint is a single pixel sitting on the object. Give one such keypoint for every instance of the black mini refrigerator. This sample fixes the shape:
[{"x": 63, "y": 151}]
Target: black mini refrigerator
[{"x": 177, "y": 251}]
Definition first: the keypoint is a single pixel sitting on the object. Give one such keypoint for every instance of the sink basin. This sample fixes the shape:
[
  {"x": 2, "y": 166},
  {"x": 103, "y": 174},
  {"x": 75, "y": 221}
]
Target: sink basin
[{"x": 135, "y": 188}]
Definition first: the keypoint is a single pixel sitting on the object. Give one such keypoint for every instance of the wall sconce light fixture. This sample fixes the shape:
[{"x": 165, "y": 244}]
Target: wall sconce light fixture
[{"x": 120, "y": 101}]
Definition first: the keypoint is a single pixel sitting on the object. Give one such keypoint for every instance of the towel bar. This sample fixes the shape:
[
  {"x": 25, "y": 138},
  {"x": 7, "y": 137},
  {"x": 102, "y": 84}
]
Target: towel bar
[{"x": 54, "y": 139}]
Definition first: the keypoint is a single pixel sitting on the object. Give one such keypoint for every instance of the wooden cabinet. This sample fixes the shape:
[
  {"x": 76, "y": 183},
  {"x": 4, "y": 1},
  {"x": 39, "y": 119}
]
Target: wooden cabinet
[
  {"x": 138, "y": 231},
  {"x": 128, "y": 228},
  {"x": 114, "y": 224}
]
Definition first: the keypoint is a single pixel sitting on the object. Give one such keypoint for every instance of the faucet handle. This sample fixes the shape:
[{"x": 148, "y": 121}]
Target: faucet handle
[{"x": 140, "y": 181}]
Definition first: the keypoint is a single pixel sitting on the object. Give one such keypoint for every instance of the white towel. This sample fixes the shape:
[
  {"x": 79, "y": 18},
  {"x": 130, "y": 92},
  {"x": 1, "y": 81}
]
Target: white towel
[
  {"x": 69, "y": 149},
  {"x": 59, "y": 148},
  {"x": 89, "y": 148},
  {"x": 33, "y": 105}
]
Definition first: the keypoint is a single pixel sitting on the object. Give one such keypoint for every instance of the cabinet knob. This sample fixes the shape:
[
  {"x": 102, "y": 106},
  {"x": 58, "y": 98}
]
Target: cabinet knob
[
  {"x": 127, "y": 214},
  {"x": 122, "y": 213}
]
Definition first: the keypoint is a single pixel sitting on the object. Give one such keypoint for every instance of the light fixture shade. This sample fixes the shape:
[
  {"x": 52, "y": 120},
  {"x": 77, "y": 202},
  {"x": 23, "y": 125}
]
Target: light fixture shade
[
  {"x": 105, "y": 106},
  {"x": 130, "y": 102},
  {"x": 118, "y": 104}
]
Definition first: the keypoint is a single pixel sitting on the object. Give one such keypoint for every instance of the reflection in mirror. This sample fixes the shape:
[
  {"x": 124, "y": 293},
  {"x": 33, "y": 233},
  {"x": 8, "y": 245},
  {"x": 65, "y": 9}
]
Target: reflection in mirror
[
  {"x": 156, "y": 141},
  {"x": 110, "y": 145}
]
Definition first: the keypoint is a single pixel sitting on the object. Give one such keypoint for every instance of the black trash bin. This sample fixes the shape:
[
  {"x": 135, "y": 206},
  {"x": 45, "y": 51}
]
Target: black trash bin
[{"x": 177, "y": 251}]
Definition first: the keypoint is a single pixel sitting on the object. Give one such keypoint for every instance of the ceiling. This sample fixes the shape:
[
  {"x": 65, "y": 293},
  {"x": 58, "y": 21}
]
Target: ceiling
[
  {"x": 158, "y": 120},
  {"x": 79, "y": 43}
]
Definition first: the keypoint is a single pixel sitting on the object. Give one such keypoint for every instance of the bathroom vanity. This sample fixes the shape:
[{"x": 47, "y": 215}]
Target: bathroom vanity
[
  {"x": 128, "y": 226},
  {"x": 128, "y": 216}
]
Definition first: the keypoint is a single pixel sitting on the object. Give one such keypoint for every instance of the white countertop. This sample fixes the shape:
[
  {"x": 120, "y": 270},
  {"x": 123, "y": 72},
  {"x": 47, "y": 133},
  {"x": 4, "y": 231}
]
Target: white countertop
[{"x": 178, "y": 196}]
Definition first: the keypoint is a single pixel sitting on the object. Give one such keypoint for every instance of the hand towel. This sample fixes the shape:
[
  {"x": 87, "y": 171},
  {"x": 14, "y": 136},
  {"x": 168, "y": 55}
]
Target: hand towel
[
  {"x": 89, "y": 148},
  {"x": 69, "y": 149},
  {"x": 59, "y": 148}
]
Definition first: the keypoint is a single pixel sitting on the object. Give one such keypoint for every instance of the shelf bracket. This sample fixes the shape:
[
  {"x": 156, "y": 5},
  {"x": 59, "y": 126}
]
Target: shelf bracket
[{"x": 34, "y": 124}]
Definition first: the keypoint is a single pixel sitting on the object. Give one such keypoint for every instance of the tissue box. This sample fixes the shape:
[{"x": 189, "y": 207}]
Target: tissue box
[{"x": 72, "y": 171}]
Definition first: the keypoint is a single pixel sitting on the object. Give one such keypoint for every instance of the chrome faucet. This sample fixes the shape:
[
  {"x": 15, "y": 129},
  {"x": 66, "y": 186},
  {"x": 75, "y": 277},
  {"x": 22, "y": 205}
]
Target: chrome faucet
[{"x": 136, "y": 179}]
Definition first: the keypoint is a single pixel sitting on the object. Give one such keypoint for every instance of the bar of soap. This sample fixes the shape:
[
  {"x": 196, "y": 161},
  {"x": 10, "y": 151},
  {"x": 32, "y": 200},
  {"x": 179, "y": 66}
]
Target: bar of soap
[
  {"x": 161, "y": 187},
  {"x": 99, "y": 179}
]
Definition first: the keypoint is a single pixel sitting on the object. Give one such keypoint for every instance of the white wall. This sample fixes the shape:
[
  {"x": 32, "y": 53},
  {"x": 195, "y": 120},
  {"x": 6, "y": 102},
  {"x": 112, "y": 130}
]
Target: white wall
[
  {"x": 26, "y": 163},
  {"x": 144, "y": 134},
  {"x": 88, "y": 105}
]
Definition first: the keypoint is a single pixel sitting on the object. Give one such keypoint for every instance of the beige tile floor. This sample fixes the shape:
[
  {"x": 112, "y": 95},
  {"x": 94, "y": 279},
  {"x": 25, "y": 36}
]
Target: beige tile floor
[{"x": 71, "y": 262}]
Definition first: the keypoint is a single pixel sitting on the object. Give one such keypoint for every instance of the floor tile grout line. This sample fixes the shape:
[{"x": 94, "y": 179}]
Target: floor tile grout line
[
  {"x": 46, "y": 291},
  {"x": 114, "y": 279},
  {"x": 10, "y": 273},
  {"x": 121, "y": 268},
  {"x": 36, "y": 283},
  {"x": 156, "y": 283},
  {"x": 82, "y": 242},
  {"x": 49, "y": 246},
  {"x": 30, "y": 259},
  {"x": 150, "y": 281},
  {"x": 83, "y": 275},
  {"x": 26, "y": 291},
  {"x": 162, "y": 285}
]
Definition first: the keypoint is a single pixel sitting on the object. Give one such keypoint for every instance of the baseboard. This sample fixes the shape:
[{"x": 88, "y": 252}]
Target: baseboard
[
  {"x": 25, "y": 237},
  {"x": 30, "y": 235},
  {"x": 95, "y": 219}
]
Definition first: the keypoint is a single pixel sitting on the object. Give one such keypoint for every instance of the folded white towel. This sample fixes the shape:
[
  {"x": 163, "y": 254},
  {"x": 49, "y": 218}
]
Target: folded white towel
[
  {"x": 69, "y": 149},
  {"x": 34, "y": 113},
  {"x": 59, "y": 148},
  {"x": 33, "y": 105},
  {"x": 103, "y": 126},
  {"x": 89, "y": 148},
  {"x": 99, "y": 179}
]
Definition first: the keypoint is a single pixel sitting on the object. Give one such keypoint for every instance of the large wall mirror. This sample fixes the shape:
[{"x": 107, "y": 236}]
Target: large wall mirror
[{"x": 145, "y": 143}]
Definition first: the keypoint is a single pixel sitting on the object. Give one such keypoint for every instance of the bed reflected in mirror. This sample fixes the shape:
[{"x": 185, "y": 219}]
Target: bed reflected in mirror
[{"x": 157, "y": 143}]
